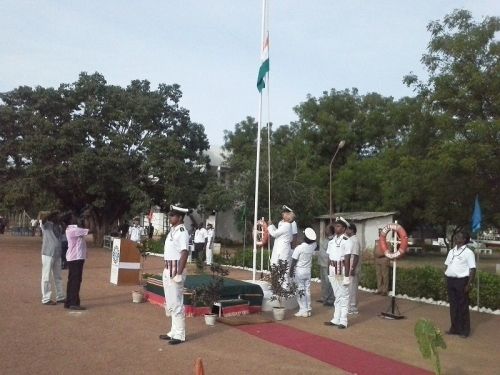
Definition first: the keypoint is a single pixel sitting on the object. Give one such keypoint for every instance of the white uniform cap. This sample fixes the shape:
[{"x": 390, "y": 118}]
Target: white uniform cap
[
  {"x": 285, "y": 208},
  {"x": 178, "y": 210},
  {"x": 310, "y": 234},
  {"x": 342, "y": 221}
]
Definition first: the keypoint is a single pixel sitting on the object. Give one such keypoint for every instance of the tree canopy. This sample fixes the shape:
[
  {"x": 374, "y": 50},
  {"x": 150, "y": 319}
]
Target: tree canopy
[
  {"x": 425, "y": 157},
  {"x": 99, "y": 148}
]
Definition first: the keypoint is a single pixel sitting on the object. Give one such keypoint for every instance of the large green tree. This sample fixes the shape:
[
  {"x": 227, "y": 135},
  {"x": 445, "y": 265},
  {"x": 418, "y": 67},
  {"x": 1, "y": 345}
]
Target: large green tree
[
  {"x": 461, "y": 95},
  {"x": 100, "y": 149}
]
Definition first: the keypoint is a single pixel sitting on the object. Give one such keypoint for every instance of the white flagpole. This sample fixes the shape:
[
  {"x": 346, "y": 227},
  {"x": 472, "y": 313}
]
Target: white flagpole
[{"x": 257, "y": 160}]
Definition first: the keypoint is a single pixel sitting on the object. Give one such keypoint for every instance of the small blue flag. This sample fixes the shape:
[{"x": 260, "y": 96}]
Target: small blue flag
[{"x": 476, "y": 216}]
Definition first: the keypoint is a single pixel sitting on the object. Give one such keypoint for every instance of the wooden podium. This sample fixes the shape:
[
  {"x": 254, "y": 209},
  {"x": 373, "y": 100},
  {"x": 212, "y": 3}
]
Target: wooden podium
[{"x": 125, "y": 262}]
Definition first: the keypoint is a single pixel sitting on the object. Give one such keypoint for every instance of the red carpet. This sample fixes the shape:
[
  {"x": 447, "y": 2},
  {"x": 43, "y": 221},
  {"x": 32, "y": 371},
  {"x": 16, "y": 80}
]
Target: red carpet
[{"x": 335, "y": 353}]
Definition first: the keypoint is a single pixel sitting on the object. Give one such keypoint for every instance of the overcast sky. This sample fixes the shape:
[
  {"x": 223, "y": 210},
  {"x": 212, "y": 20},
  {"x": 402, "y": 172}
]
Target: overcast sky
[{"x": 211, "y": 48}]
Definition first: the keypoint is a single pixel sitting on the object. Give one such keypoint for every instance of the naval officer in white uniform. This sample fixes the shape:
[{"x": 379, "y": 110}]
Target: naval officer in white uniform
[{"x": 174, "y": 274}]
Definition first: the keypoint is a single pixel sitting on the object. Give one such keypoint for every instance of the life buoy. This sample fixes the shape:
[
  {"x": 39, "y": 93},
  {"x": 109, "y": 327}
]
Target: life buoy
[
  {"x": 402, "y": 240},
  {"x": 262, "y": 235}
]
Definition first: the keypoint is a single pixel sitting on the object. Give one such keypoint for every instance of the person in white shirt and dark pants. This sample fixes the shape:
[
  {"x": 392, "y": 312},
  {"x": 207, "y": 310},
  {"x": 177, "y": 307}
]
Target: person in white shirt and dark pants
[{"x": 460, "y": 272}]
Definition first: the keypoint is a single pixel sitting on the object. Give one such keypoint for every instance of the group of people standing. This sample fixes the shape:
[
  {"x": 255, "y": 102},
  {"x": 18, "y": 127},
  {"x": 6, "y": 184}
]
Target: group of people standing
[
  {"x": 339, "y": 260},
  {"x": 63, "y": 246},
  {"x": 203, "y": 240}
]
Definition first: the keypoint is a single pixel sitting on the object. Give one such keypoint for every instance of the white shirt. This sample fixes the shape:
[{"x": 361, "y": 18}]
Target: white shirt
[
  {"x": 336, "y": 247},
  {"x": 282, "y": 239},
  {"x": 353, "y": 247},
  {"x": 200, "y": 235},
  {"x": 134, "y": 233},
  {"x": 459, "y": 262},
  {"x": 294, "y": 228},
  {"x": 304, "y": 253},
  {"x": 177, "y": 240}
]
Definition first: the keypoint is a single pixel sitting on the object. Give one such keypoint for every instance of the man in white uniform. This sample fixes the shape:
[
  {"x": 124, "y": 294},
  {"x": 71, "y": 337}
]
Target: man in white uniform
[
  {"x": 327, "y": 296},
  {"x": 353, "y": 248},
  {"x": 295, "y": 230},
  {"x": 460, "y": 271},
  {"x": 210, "y": 243},
  {"x": 174, "y": 275},
  {"x": 200, "y": 242},
  {"x": 135, "y": 231},
  {"x": 301, "y": 271},
  {"x": 282, "y": 238},
  {"x": 338, "y": 274}
]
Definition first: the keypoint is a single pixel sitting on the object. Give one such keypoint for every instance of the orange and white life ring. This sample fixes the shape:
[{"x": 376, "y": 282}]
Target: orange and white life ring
[
  {"x": 262, "y": 235},
  {"x": 401, "y": 238}
]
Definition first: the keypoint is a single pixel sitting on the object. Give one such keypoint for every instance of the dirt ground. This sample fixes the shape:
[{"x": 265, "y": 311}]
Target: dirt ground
[{"x": 116, "y": 336}]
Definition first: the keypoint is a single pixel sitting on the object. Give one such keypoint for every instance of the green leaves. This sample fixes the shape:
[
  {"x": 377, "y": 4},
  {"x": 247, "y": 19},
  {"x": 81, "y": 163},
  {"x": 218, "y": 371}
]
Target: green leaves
[
  {"x": 429, "y": 340},
  {"x": 103, "y": 148}
]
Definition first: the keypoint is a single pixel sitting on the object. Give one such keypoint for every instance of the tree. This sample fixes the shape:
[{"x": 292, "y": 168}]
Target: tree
[
  {"x": 101, "y": 149},
  {"x": 462, "y": 96}
]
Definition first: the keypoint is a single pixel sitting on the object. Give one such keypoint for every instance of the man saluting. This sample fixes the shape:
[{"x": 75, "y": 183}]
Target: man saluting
[{"x": 174, "y": 275}]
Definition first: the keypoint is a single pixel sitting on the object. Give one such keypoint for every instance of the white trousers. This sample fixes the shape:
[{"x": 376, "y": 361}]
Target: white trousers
[
  {"x": 303, "y": 280},
  {"x": 51, "y": 270},
  {"x": 353, "y": 293},
  {"x": 341, "y": 300},
  {"x": 174, "y": 305},
  {"x": 209, "y": 253}
]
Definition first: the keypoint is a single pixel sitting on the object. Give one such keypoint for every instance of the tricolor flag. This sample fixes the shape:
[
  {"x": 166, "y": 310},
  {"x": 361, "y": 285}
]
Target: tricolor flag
[{"x": 264, "y": 66}]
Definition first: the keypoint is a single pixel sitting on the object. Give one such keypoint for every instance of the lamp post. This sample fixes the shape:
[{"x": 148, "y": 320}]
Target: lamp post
[{"x": 339, "y": 146}]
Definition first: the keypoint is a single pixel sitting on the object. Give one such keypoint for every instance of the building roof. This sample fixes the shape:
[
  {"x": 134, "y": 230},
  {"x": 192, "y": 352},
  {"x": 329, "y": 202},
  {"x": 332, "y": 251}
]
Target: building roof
[{"x": 358, "y": 216}]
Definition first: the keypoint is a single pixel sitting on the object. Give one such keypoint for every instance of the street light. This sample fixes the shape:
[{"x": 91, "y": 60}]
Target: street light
[{"x": 340, "y": 145}]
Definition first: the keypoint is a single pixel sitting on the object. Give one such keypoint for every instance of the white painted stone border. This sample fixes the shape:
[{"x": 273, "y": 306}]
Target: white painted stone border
[{"x": 429, "y": 301}]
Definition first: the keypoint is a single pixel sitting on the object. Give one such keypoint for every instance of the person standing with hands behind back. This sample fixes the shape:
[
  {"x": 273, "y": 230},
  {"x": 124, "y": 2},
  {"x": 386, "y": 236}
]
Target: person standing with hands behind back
[
  {"x": 460, "y": 272},
  {"x": 174, "y": 275}
]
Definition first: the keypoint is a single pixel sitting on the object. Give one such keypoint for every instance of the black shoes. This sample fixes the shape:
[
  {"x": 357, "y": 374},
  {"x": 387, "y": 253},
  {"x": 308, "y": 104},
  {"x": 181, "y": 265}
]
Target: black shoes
[
  {"x": 330, "y": 324},
  {"x": 171, "y": 340},
  {"x": 341, "y": 326},
  {"x": 49, "y": 303},
  {"x": 175, "y": 342},
  {"x": 74, "y": 307}
]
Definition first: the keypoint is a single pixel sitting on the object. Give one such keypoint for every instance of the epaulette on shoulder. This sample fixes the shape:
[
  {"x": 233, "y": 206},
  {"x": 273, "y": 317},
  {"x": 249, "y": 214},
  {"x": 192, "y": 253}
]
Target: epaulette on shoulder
[
  {"x": 470, "y": 248},
  {"x": 181, "y": 229},
  {"x": 345, "y": 238}
]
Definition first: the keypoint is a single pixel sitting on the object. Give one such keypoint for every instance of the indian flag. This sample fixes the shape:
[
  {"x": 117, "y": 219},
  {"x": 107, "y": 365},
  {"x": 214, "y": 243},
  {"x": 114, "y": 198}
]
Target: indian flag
[{"x": 264, "y": 66}]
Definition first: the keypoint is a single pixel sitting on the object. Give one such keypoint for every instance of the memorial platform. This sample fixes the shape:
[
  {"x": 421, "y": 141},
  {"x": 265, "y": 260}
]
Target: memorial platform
[{"x": 237, "y": 297}]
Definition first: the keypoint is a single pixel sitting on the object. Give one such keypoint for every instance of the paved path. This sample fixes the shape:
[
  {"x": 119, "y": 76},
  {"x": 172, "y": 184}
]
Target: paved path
[{"x": 116, "y": 336}]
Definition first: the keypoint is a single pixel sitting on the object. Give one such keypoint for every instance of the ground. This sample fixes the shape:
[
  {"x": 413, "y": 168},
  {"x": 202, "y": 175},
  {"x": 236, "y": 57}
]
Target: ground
[{"x": 116, "y": 336}]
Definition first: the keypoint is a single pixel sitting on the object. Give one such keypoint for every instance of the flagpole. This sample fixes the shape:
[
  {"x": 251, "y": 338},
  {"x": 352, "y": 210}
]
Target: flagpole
[{"x": 257, "y": 159}]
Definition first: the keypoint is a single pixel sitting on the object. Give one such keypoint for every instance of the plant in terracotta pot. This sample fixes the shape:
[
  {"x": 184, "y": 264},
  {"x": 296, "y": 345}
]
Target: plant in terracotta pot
[
  {"x": 210, "y": 293},
  {"x": 282, "y": 287}
]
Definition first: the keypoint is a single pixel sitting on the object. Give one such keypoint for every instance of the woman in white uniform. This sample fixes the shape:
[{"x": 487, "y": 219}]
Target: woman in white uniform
[{"x": 301, "y": 271}]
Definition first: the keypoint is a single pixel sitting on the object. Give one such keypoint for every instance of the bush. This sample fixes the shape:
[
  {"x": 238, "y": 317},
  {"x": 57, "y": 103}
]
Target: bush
[
  {"x": 156, "y": 246},
  {"x": 430, "y": 282}
]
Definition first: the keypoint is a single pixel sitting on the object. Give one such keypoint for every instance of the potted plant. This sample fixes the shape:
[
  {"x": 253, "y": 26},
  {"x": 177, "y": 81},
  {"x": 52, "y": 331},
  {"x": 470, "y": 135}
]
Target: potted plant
[
  {"x": 144, "y": 247},
  {"x": 210, "y": 293},
  {"x": 282, "y": 287}
]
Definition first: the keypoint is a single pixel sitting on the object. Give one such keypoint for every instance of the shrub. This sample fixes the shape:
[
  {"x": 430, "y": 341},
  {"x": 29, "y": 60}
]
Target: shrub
[{"x": 430, "y": 282}]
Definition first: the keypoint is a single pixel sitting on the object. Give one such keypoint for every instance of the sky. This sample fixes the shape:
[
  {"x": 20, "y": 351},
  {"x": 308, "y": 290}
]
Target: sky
[{"x": 212, "y": 48}]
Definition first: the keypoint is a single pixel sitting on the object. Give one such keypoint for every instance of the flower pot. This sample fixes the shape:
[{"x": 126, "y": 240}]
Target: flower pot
[
  {"x": 210, "y": 319},
  {"x": 137, "y": 296},
  {"x": 279, "y": 313}
]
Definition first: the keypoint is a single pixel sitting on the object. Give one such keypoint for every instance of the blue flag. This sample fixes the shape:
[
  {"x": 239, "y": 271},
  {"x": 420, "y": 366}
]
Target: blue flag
[{"x": 476, "y": 216}]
